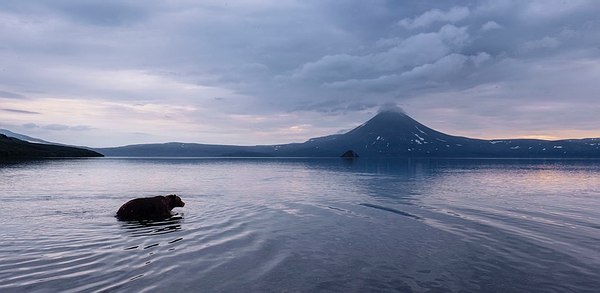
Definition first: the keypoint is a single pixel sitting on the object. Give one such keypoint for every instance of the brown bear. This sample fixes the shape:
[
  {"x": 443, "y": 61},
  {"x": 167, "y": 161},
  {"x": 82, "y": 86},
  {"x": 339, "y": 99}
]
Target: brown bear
[{"x": 149, "y": 208}]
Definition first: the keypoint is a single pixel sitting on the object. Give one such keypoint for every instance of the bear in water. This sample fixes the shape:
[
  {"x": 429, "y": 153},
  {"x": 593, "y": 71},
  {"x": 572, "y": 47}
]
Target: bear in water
[{"x": 149, "y": 208}]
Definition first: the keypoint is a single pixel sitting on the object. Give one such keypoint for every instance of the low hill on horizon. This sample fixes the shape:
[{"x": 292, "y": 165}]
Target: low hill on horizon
[
  {"x": 388, "y": 134},
  {"x": 25, "y": 137},
  {"x": 16, "y": 149}
]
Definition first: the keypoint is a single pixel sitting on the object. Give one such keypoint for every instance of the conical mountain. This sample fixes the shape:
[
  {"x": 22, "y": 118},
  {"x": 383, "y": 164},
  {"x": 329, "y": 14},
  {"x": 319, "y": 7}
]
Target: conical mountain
[
  {"x": 393, "y": 131},
  {"x": 390, "y": 123},
  {"x": 389, "y": 133}
]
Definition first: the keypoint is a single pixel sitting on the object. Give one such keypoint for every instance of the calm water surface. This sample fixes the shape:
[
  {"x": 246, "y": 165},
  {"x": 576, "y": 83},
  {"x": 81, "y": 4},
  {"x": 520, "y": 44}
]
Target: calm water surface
[{"x": 302, "y": 225}]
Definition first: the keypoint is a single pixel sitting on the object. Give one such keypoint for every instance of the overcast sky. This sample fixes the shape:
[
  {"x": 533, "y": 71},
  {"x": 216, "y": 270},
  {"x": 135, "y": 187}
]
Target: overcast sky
[{"x": 116, "y": 72}]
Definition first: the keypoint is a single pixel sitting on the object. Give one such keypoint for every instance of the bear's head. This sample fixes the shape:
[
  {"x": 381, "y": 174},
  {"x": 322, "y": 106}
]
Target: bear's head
[{"x": 174, "y": 201}]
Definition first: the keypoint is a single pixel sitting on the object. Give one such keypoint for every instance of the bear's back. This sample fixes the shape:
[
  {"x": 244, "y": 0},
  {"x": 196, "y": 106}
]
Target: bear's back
[{"x": 152, "y": 208}]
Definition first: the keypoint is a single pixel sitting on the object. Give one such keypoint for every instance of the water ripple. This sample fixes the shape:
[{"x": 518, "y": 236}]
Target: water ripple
[
  {"x": 301, "y": 226},
  {"x": 391, "y": 210}
]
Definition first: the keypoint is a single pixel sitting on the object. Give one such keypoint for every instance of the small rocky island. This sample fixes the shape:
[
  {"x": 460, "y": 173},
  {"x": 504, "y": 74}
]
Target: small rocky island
[
  {"x": 350, "y": 154},
  {"x": 15, "y": 149}
]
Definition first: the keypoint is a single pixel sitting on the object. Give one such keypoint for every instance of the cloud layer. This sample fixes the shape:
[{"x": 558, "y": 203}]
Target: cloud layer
[{"x": 110, "y": 72}]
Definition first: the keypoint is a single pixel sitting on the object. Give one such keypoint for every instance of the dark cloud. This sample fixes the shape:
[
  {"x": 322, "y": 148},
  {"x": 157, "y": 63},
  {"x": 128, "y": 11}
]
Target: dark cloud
[
  {"x": 453, "y": 15},
  {"x": 335, "y": 107},
  {"x": 9, "y": 95},
  {"x": 21, "y": 111},
  {"x": 490, "y": 25},
  {"x": 30, "y": 125},
  {"x": 81, "y": 128},
  {"x": 56, "y": 127},
  {"x": 204, "y": 62},
  {"x": 93, "y": 12},
  {"x": 102, "y": 12},
  {"x": 62, "y": 127}
]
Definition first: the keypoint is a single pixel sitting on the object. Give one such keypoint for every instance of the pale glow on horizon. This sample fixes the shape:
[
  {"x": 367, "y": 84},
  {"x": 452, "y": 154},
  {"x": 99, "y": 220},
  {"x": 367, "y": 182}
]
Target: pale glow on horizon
[
  {"x": 135, "y": 123},
  {"x": 556, "y": 135}
]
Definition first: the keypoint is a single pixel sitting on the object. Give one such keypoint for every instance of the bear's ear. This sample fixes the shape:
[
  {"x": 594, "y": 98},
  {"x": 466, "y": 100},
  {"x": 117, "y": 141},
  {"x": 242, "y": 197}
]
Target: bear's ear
[{"x": 170, "y": 200}]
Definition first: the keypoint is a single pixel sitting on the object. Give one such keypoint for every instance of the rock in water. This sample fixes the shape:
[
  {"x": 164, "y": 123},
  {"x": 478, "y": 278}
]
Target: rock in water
[{"x": 349, "y": 154}]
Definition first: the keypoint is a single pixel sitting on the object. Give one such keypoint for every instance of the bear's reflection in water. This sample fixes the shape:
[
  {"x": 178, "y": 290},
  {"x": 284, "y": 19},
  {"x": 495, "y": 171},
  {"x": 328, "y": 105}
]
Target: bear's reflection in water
[
  {"x": 152, "y": 233},
  {"x": 138, "y": 228}
]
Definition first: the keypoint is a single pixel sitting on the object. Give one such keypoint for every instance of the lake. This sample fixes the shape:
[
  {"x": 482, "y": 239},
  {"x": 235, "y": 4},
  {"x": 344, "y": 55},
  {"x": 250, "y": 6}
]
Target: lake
[{"x": 302, "y": 225}]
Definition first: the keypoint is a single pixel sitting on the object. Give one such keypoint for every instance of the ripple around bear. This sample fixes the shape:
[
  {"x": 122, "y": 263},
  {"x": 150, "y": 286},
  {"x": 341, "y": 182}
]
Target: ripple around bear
[{"x": 149, "y": 208}]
